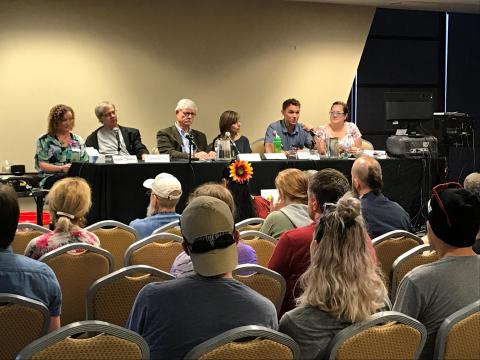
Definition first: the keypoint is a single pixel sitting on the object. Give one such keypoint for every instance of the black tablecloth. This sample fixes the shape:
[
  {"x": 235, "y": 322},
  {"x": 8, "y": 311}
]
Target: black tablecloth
[{"x": 118, "y": 194}]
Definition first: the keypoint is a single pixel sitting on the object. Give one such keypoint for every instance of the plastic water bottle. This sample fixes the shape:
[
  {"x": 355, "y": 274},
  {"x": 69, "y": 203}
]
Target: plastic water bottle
[{"x": 277, "y": 143}]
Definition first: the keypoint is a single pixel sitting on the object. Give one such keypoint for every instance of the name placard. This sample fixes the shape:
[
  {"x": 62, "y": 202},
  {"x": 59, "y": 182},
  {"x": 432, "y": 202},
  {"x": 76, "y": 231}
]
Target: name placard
[
  {"x": 275, "y": 156},
  {"x": 124, "y": 159},
  {"x": 156, "y": 158},
  {"x": 250, "y": 157}
]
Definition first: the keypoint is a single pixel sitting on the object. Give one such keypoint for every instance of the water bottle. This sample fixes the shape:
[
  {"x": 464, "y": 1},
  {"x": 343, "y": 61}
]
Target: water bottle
[{"x": 277, "y": 143}]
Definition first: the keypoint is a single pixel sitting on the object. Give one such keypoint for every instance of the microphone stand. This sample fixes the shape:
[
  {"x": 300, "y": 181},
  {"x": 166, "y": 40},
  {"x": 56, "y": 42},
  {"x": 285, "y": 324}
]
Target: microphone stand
[{"x": 190, "y": 145}]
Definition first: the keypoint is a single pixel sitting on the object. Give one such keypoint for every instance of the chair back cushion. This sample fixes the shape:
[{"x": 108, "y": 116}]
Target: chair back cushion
[
  {"x": 113, "y": 301},
  {"x": 263, "y": 248},
  {"x": 21, "y": 240},
  {"x": 389, "y": 250},
  {"x": 389, "y": 341},
  {"x": 254, "y": 349},
  {"x": 265, "y": 285},
  {"x": 100, "y": 347},
  {"x": 20, "y": 326},
  {"x": 157, "y": 254},
  {"x": 115, "y": 240},
  {"x": 463, "y": 339},
  {"x": 75, "y": 272}
]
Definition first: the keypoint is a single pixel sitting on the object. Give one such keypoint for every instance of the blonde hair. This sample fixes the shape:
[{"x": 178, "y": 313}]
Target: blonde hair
[
  {"x": 342, "y": 278},
  {"x": 292, "y": 185},
  {"x": 214, "y": 190},
  {"x": 69, "y": 201}
]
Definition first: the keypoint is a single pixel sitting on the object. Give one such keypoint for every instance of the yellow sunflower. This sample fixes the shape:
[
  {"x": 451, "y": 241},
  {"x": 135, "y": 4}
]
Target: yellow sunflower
[{"x": 241, "y": 171}]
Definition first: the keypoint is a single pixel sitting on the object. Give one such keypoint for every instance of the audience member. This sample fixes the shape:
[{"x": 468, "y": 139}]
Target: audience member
[
  {"x": 69, "y": 201},
  {"x": 230, "y": 122},
  {"x": 342, "y": 284},
  {"x": 165, "y": 192},
  {"x": 59, "y": 147},
  {"x": 291, "y": 255},
  {"x": 236, "y": 177},
  {"x": 472, "y": 183},
  {"x": 113, "y": 139},
  {"x": 174, "y": 140},
  {"x": 182, "y": 264},
  {"x": 19, "y": 274},
  {"x": 432, "y": 292},
  {"x": 347, "y": 133},
  {"x": 291, "y": 132},
  {"x": 174, "y": 316},
  {"x": 381, "y": 215},
  {"x": 291, "y": 209}
]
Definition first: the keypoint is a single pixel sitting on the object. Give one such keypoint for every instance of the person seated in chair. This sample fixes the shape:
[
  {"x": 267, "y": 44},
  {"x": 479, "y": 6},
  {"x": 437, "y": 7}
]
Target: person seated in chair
[
  {"x": 113, "y": 139},
  {"x": 432, "y": 292},
  {"x": 174, "y": 316},
  {"x": 165, "y": 192},
  {"x": 19, "y": 274},
  {"x": 472, "y": 183},
  {"x": 179, "y": 139},
  {"x": 381, "y": 214}
]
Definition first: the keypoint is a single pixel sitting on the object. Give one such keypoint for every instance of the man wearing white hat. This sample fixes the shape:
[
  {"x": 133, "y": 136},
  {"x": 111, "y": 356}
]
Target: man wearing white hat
[
  {"x": 176, "y": 315},
  {"x": 165, "y": 191}
]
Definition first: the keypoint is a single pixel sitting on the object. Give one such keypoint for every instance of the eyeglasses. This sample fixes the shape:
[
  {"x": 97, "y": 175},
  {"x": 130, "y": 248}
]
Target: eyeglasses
[
  {"x": 336, "y": 113},
  {"x": 187, "y": 114},
  {"x": 436, "y": 195}
]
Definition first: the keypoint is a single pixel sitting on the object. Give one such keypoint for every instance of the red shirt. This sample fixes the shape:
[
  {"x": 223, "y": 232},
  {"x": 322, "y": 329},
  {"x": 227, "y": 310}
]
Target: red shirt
[{"x": 262, "y": 206}]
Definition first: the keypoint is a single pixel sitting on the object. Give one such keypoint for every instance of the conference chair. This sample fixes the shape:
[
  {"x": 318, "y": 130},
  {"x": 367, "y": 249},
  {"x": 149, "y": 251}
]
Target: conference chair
[
  {"x": 172, "y": 228},
  {"x": 77, "y": 266},
  {"x": 246, "y": 342},
  {"x": 366, "y": 145},
  {"x": 250, "y": 224},
  {"x": 159, "y": 251},
  {"x": 258, "y": 146},
  {"x": 104, "y": 341},
  {"x": 388, "y": 247},
  {"x": 385, "y": 335},
  {"x": 111, "y": 297},
  {"x": 22, "y": 320},
  {"x": 115, "y": 237},
  {"x": 25, "y": 233},
  {"x": 458, "y": 336},
  {"x": 419, "y": 255},
  {"x": 262, "y": 243},
  {"x": 266, "y": 282}
]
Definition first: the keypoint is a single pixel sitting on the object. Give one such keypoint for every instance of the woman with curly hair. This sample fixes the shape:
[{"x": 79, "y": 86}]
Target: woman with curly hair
[
  {"x": 341, "y": 286},
  {"x": 59, "y": 147}
]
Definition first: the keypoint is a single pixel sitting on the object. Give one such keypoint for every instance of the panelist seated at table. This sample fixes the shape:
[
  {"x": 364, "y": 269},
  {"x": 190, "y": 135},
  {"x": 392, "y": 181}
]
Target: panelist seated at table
[
  {"x": 347, "y": 133},
  {"x": 230, "y": 123},
  {"x": 175, "y": 141},
  {"x": 291, "y": 132},
  {"x": 59, "y": 147},
  {"x": 113, "y": 139}
]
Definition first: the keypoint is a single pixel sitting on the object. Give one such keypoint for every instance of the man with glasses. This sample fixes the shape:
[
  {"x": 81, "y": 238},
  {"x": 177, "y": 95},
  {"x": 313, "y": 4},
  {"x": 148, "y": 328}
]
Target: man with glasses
[
  {"x": 112, "y": 138},
  {"x": 293, "y": 134},
  {"x": 164, "y": 191},
  {"x": 432, "y": 292},
  {"x": 180, "y": 139},
  {"x": 381, "y": 214}
]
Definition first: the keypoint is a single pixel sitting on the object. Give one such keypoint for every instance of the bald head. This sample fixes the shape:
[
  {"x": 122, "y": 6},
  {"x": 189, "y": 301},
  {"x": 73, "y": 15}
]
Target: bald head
[
  {"x": 367, "y": 175},
  {"x": 472, "y": 183}
]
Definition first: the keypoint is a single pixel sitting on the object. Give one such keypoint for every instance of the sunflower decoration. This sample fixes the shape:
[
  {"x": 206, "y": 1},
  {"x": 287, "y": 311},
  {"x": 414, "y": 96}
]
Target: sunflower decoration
[{"x": 241, "y": 171}]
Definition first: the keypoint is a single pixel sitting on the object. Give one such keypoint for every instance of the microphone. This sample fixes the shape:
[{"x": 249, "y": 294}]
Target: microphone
[
  {"x": 117, "y": 136},
  {"x": 191, "y": 140},
  {"x": 234, "y": 146}
]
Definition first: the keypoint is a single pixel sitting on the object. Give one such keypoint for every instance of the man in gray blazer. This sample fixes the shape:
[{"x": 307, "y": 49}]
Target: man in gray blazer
[{"x": 175, "y": 141}]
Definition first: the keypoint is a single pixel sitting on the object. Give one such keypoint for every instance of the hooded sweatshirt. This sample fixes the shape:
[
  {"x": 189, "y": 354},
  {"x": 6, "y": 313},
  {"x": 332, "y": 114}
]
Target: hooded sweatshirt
[{"x": 288, "y": 217}]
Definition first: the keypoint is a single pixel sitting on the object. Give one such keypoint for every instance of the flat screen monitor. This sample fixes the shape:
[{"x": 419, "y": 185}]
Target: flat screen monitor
[{"x": 408, "y": 110}]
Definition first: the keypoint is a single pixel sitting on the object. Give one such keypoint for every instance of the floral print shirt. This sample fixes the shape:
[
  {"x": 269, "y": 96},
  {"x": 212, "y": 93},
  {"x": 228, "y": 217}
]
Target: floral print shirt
[
  {"x": 352, "y": 134},
  {"x": 55, "y": 239},
  {"x": 51, "y": 150}
]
